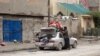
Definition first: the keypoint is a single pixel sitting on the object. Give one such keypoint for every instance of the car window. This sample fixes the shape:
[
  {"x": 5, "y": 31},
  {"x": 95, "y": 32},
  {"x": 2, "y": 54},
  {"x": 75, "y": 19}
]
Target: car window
[{"x": 60, "y": 35}]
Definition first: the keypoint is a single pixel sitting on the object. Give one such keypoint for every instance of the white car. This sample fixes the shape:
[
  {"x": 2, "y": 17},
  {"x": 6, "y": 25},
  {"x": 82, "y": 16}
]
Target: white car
[{"x": 52, "y": 39}]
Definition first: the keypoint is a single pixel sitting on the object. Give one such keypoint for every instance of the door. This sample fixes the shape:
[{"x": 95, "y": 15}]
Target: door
[
  {"x": 62, "y": 39},
  {"x": 12, "y": 30}
]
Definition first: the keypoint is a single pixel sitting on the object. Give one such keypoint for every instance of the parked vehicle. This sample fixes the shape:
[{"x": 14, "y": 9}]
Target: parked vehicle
[{"x": 50, "y": 38}]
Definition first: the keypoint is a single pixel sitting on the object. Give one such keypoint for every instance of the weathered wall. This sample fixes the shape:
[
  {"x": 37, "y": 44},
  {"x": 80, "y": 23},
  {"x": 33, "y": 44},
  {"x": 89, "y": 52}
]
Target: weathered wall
[
  {"x": 75, "y": 25},
  {"x": 1, "y": 33},
  {"x": 31, "y": 26},
  {"x": 28, "y": 7},
  {"x": 27, "y": 29}
]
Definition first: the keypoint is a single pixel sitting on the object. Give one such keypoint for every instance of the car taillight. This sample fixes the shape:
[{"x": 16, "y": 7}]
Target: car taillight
[{"x": 51, "y": 41}]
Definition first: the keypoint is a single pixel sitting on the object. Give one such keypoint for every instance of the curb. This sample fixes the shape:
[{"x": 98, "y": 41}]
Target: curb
[{"x": 17, "y": 50}]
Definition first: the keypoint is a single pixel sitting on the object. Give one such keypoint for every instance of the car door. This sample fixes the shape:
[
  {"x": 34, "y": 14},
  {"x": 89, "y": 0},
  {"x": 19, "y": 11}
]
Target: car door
[{"x": 61, "y": 39}]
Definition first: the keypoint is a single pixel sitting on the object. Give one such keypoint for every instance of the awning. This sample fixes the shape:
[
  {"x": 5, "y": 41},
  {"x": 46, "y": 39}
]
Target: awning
[{"x": 74, "y": 8}]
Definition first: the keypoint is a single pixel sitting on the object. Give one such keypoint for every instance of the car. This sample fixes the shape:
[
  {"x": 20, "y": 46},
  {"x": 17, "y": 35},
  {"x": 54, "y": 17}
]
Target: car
[{"x": 50, "y": 38}]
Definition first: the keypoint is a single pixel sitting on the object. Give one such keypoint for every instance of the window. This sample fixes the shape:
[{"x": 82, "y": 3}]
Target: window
[{"x": 60, "y": 35}]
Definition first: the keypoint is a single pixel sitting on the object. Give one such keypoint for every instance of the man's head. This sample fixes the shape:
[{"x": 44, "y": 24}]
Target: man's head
[{"x": 65, "y": 28}]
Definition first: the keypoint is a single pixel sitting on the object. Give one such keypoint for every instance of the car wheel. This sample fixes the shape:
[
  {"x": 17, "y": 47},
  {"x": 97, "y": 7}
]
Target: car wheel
[
  {"x": 74, "y": 45},
  {"x": 59, "y": 47},
  {"x": 41, "y": 48}
]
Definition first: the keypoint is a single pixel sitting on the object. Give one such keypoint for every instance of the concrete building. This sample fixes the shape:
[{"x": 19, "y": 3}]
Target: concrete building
[
  {"x": 20, "y": 19},
  {"x": 73, "y": 25},
  {"x": 93, "y": 5},
  {"x": 55, "y": 8},
  {"x": 87, "y": 23}
]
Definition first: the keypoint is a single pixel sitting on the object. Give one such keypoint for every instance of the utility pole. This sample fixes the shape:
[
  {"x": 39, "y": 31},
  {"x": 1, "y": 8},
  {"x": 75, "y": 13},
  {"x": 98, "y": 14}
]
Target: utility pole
[
  {"x": 48, "y": 12},
  {"x": 98, "y": 5}
]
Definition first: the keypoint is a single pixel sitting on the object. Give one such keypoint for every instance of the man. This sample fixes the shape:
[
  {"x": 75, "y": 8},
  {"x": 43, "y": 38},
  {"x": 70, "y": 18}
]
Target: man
[{"x": 66, "y": 38}]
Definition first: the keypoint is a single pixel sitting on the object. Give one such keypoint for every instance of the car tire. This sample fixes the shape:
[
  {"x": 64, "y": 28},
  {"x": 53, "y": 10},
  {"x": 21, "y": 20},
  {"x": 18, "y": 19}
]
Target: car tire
[
  {"x": 59, "y": 47},
  {"x": 74, "y": 45},
  {"x": 41, "y": 48}
]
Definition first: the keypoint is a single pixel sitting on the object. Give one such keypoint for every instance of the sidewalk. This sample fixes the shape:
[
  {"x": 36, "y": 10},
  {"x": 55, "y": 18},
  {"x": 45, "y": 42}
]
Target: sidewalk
[
  {"x": 88, "y": 42},
  {"x": 16, "y": 46}
]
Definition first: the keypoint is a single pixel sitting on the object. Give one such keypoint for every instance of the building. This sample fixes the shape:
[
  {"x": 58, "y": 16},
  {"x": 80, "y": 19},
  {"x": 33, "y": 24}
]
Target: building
[
  {"x": 65, "y": 8},
  {"x": 93, "y": 5},
  {"x": 20, "y": 19},
  {"x": 56, "y": 9},
  {"x": 87, "y": 23}
]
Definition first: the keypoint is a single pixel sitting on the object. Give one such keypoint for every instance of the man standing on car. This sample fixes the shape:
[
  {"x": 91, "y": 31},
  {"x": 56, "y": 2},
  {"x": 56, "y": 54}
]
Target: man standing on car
[{"x": 66, "y": 38}]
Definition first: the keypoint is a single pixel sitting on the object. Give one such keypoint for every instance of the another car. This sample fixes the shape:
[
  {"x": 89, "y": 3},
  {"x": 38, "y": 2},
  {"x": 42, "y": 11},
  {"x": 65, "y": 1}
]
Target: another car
[{"x": 50, "y": 38}]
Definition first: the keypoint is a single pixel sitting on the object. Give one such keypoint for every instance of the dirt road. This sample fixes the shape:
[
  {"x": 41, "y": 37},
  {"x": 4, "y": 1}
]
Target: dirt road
[{"x": 82, "y": 50}]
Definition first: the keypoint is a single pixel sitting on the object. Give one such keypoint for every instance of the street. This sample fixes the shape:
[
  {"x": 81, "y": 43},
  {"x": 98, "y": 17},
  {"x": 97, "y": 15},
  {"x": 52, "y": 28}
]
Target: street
[
  {"x": 86, "y": 49},
  {"x": 29, "y": 25}
]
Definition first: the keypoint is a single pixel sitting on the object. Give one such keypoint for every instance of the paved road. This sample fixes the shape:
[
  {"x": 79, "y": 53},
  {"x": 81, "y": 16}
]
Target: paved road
[{"x": 81, "y": 50}]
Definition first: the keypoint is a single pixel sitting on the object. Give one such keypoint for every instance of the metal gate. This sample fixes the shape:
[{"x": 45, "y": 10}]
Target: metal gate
[{"x": 12, "y": 30}]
